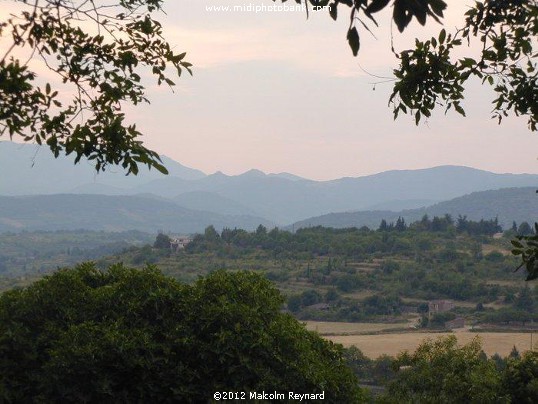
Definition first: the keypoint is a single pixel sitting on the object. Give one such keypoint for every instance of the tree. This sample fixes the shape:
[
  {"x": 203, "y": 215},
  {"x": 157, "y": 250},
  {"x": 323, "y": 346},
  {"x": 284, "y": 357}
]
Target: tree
[
  {"x": 400, "y": 224},
  {"x": 439, "y": 371},
  {"x": 211, "y": 234},
  {"x": 383, "y": 226},
  {"x": 359, "y": 362},
  {"x": 331, "y": 295},
  {"x": 403, "y": 13},
  {"x": 310, "y": 297},
  {"x": 524, "y": 229},
  {"x": 525, "y": 300},
  {"x": 261, "y": 230},
  {"x": 527, "y": 248},
  {"x": 520, "y": 378},
  {"x": 429, "y": 75},
  {"x": 514, "y": 353},
  {"x": 82, "y": 335},
  {"x": 294, "y": 303},
  {"x": 423, "y": 308},
  {"x": 162, "y": 241},
  {"x": 99, "y": 52},
  {"x": 389, "y": 267}
]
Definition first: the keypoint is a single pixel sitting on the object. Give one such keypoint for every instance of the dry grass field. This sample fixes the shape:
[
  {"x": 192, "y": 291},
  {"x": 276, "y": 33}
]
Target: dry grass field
[
  {"x": 341, "y": 329},
  {"x": 392, "y": 344}
]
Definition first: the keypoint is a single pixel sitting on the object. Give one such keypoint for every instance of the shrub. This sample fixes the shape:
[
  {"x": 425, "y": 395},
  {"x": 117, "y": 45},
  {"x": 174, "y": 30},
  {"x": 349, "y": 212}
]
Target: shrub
[{"x": 82, "y": 335}]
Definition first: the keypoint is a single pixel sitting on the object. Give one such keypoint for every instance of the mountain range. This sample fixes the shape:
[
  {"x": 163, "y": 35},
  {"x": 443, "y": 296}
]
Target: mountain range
[
  {"x": 507, "y": 205},
  {"x": 276, "y": 199},
  {"x": 111, "y": 213}
]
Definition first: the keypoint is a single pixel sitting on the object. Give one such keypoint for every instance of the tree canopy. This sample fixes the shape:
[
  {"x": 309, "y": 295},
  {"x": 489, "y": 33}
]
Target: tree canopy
[
  {"x": 430, "y": 75},
  {"x": 527, "y": 248},
  {"x": 99, "y": 53},
  {"x": 506, "y": 31},
  {"x": 82, "y": 335},
  {"x": 362, "y": 11},
  {"x": 442, "y": 372}
]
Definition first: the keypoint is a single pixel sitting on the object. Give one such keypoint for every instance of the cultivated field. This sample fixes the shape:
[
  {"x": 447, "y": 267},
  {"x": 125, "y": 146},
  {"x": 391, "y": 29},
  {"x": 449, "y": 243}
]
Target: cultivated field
[
  {"x": 391, "y": 344},
  {"x": 340, "y": 329}
]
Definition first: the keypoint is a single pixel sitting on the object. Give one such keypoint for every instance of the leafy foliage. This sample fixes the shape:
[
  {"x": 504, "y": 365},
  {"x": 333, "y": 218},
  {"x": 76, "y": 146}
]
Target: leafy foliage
[
  {"x": 162, "y": 241},
  {"x": 99, "y": 52},
  {"x": 421, "y": 263},
  {"x": 439, "y": 371},
  {"x": 429, "y": 76},
  {"x": 403, "y": 13},
  {"x": 527, "y": 248},
  {"x": 520, "y": 378},
  {"x": 82, "y": 335}
]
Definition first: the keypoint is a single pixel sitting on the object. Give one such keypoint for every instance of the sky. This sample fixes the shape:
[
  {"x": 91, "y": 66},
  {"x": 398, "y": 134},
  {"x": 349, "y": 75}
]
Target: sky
[{"x": 277, "y": 92}]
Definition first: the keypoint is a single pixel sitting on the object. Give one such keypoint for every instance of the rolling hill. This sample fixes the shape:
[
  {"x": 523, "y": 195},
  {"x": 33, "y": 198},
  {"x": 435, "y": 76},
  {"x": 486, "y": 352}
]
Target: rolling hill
[
  {"x": 110, "y": 213},
  {"x": 508, "y": 204},
  {"x": 279, "y": 198},
  {"x": 33, "y": 170}
]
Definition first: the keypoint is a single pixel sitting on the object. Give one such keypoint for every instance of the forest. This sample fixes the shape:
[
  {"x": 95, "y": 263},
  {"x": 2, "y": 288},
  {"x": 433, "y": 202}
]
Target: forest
[{"x": 369, "y": 275}]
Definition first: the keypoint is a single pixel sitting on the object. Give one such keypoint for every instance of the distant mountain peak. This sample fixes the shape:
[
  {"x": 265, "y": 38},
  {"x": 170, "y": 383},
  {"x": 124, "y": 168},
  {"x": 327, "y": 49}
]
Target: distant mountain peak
[
  {"x": 219, "y": 174},
  {"x": 287, "y": 176},
  {"x": 253, "y": 173}
]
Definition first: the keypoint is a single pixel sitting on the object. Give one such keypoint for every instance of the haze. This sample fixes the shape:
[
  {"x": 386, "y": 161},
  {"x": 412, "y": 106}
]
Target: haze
[{"x": 280, "y": 93}]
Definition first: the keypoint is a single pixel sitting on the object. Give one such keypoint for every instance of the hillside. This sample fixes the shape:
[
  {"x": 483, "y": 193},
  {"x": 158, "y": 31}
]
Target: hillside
[
  {"x": 110, "y": 213},
  {"x": 279, "y": 198},
  {"x": 509, "y": 204},
  {"x": 33, "y": 170},
  {"x": 212, "y": 202}
]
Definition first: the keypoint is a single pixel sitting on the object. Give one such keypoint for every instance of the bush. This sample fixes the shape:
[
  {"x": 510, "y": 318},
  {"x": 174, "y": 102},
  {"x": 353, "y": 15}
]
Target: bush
[
  {"x": 494, "y": 256},
  {"x": 310, "y": 297},
  {"x": 520, "y": 378},
  {"x": 130, "y": 335},
  {"x": 162, "y": 241},
  {"x": 439, "y": 319},
  {"x": 389, "y": 267},
  {"x": 441, "y": 372}
]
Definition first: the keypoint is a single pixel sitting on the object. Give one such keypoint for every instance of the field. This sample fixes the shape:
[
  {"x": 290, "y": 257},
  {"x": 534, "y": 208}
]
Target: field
[
  {"x": 341, "y": 329},
  {"x": 391, "y": 344}
]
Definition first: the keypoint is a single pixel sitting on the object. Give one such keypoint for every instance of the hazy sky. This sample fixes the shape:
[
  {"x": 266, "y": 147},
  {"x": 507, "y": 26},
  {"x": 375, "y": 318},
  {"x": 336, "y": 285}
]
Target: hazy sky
[{"x": 277, "y": 92}]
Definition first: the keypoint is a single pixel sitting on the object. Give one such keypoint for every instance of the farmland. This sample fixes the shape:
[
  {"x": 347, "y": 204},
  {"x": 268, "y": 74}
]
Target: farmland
[
  {"x": 376, "y": 339},
  {"x": 375, "y": 345},
  {"x": 328, "y": 328}
]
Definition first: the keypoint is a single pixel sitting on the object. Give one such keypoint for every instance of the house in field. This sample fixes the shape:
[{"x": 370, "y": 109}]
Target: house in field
[
  {"x": 179, "y": 243},
  {"x": 439, "y": 306},
  {"x": 456, "y": 323}
]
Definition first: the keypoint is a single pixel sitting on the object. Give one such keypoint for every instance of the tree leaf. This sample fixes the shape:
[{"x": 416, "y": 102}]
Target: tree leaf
[
  {"x": 353, "y": 40},
  {"x": 377, "y": 5}
]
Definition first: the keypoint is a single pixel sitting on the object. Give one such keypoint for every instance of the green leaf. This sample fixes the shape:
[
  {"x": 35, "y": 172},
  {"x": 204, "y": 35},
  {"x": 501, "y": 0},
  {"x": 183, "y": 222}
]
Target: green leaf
[
  {"x": 377, "y": 5},
  {"x": 442, "y": 36},
  {"x": 459, "y": 109},
  {"x": 333, "y": 11},
  {"x": 354, "y": 40},
  {"x": 159, "y": 167},
  {"x": 401, "y": 15},
  {"x": 438, "y": 6}
]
